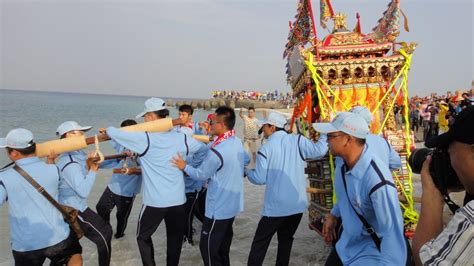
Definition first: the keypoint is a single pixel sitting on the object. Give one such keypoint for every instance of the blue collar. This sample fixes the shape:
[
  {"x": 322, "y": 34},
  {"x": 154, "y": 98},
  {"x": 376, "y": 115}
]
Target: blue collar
[
  {"x": 361, "y": 165},
  {"x": 26, "y": 161},
  {"x": 277, "y": 134}
]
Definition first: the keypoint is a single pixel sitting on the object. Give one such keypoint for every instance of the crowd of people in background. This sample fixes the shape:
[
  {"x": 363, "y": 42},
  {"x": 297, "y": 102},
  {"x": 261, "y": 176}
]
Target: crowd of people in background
[
  {"x": 285, "y": 98},
  {"x": 435, "y": 113}
]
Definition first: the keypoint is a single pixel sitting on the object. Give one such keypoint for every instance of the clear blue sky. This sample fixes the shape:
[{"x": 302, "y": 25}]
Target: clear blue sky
[{"x": 188, "y": 48}]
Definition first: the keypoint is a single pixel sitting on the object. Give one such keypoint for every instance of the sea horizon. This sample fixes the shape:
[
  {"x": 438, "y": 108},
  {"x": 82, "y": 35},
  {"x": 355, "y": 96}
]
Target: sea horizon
[{"x": 102, "y": 94}]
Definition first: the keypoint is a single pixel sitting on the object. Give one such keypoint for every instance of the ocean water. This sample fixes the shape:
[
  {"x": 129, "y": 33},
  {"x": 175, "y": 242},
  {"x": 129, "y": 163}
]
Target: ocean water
[{"x": 42, "y": 112}]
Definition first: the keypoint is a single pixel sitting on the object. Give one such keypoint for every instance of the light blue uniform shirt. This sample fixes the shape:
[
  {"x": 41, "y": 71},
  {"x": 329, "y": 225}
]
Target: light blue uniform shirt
[
  {"x": 121, "y": 184},
  {"x": 34, "y": 222},
  {"x": 378, "y": 205},
  {"x": 163, "y": 184},
  {"x": 384, "y": 151},
  {"x": 224, "y": 167},
  {"x": 280, "y": 165},
  {"x": 76, "y": 182},
  {"x": 192, "y": 185}
]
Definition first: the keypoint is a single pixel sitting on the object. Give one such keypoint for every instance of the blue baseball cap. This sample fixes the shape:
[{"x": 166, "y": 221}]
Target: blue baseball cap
[
  {"x": 18, "y": 138},
  {"x": 151, "y": 105},
  {"x": 349, "y": 123},
  {"x": 274, "y": 119},
  {"x": 67, "y": 126},
  {"x": 364, "y": 112}
]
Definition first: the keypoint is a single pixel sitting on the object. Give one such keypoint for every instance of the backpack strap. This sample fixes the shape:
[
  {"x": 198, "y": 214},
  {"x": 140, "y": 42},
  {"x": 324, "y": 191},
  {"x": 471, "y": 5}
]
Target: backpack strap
[
  {"x": 368, "y": 227},
  {"x": 382, "y": 182}
]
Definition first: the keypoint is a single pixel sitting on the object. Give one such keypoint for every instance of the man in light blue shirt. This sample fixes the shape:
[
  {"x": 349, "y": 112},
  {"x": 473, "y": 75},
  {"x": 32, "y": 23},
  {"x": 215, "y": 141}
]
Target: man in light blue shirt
[
  {"x": 280, "y": 166},
  {"x": 75, "y": 186},
  {"x": 194, "y": 188},
  {"x": 380, "y": 146},
  {"x": 121, "y": 189},
  {"x": 163, "y": 184},
  {"x": 224, "y": 167},
  {"x": 367, "y": 199},
  {"x": 37, "y": 228}
]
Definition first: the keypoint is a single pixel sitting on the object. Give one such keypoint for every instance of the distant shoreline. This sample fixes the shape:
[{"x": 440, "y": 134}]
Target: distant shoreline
[{"x": 101, "y": 94}]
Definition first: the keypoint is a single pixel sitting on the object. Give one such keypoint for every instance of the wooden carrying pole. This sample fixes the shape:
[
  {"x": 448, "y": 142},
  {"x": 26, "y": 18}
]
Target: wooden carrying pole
[
  {"x": 78, "y": 143},
  {"x": 114, "y": 156},
  {"x": 128, "y": 171}
]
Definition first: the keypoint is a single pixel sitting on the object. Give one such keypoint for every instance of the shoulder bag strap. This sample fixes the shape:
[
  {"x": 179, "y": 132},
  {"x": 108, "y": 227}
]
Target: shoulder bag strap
[
  {"x": 366, "y": 224},
  {"x": 41, "y": 190}
]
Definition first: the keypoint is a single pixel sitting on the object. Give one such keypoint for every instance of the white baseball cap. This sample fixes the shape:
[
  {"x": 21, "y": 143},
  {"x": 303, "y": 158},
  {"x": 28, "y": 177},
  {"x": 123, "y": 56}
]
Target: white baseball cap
[
  {"x": 349, "y": 123},
  {"x": 18, "y": 138},
  {"x": 67, "y": 126},
  {"x": 151, "y": 105},
  {"x": 364, "y": 112},
  {"x": 274, "y": 119}
]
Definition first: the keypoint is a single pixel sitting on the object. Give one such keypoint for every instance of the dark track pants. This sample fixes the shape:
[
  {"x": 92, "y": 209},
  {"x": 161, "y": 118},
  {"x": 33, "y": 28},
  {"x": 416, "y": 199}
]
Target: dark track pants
[
  {"x": 285, "y": 227},
  {"x": 98, "y": 231},
  {"x": 216, "y": 238},
  {"x": 106, "y": 204},
  {"x": 193, "y": 207},
  {"x": 201, "y": 205},
  {"x": 58, "y": 254},
  {"x": 333, "y": 259},
  {"x": 150, "y": 219}
]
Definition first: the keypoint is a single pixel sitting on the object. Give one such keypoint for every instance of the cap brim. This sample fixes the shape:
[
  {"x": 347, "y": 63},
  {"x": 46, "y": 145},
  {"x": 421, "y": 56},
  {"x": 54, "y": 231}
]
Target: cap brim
[
  {"x": 140, "y": 114},
  {"x": 260, "y": 123},
  {"x": 85, "y": 129},
  {"x": 3, "y": 142},
  {"x": 442, "y": 140},
  {"x": 324, "y": 128}
]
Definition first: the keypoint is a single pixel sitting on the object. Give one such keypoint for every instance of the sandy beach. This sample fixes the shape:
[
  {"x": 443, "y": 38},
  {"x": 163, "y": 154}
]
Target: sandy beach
[{"x": 308, "y": 247}]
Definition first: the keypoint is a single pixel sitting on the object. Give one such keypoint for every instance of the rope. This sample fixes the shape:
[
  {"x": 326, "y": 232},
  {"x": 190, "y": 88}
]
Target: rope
[{"x": 97, "y": 150}]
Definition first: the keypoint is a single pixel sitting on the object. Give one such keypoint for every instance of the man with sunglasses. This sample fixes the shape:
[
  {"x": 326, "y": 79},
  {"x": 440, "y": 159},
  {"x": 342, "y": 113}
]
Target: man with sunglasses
[
  {"x": 367, "y": 199},
  {"x": 280, "y": 166},
  {"x": 224, "y": 168},
  {"x": 78, "y": 173}
]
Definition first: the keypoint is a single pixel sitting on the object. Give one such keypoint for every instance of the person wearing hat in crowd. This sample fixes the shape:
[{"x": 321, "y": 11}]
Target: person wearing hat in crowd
[
  {"x": 37, "y": 229},
  {"x": 78, "y": 173},
  {"x": 453, "y": 245},
  {"x": 224, "y": 168},
  {"x": 163, "y": 185},
  {"x": 443, "y": 115},
  {"x": 122, "y": 188},
  {"x": 367, "y": 199},
  {"x": 280, "y": 166},
  {"x": 380, "y": 146}
]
